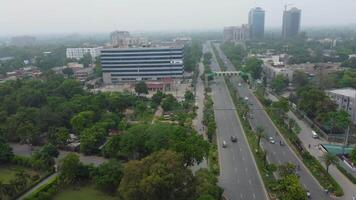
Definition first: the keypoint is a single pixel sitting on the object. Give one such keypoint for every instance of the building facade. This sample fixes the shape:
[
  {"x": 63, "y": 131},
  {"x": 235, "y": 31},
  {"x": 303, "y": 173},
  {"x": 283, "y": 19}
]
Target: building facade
[
  {"x": 345, "y": 99},
  {"x": 236, "y": 33},
  {"x": 78, "y": 53},
  {"x": 291, "y": 23},
  {"x": 136, "y": 64},
  {"x": 256, "y": 22},
  {"x": 123, "y": 39}
]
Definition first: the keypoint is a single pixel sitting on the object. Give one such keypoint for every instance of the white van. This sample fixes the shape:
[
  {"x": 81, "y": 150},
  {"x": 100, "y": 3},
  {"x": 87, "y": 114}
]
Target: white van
[{"x": 315, "y": 135}]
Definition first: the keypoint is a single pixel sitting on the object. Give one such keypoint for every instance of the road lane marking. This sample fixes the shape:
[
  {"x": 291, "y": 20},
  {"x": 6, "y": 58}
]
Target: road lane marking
[
  {"x": 241, "y": 196},
  {"x": 245, "y": 169},
  {"x": 254, "y": 196},
  {"x": 235, "y": 169},
  {"x": 243, "y": 158},
  {"x": 249, "y": 181}
]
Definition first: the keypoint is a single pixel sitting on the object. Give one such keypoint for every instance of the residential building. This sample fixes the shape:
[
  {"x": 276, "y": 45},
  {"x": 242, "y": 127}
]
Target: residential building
[
  {"x": 256, "y": 22},
  {"x": 291, "y": 23},
  {"x": 78, "y": 53},
  {"x": 345, "y": 99},
  {"x": 136, "y": 64},
  {"x": 236, "y": 33},
  {"x": 123, "y": 39}
]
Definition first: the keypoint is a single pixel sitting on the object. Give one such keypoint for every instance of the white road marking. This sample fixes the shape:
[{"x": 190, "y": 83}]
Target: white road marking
[
  {"x": 245, "y": 169},
  {"x": 241, "y": 196},
  {"x": 254, "y": 196},
  {"x": 243, "y": 158},
  {"x": 249, "y": 181}
]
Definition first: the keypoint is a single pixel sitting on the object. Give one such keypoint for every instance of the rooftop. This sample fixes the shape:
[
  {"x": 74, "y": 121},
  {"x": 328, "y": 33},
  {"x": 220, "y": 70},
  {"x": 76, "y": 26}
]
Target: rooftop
[{"x": 348, "y": 92}]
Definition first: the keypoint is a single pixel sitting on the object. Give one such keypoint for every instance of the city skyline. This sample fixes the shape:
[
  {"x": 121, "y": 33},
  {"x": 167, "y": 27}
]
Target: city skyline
[{"x": 39, "y": 16}]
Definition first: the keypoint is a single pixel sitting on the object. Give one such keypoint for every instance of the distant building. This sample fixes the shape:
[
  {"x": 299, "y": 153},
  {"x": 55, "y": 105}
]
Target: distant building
[
  {"x": 136, "y": 64},
  {"x": 256, "y": 22},
  {"x": 23, "y": 40},
  {"x": 291, "y": 23},
  {"x": 123, "y": 39},
  {"x": 236, "y": 33},
  {"x": 78, "y": 53},
  {"x": 346, "y": 100}
]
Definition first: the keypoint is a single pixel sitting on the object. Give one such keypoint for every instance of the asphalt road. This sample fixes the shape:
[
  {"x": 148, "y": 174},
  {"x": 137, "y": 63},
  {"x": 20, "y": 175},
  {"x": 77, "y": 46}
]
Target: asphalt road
[
  {"x": 238, "y": 172},
  {"x": 276, "y": 154}
]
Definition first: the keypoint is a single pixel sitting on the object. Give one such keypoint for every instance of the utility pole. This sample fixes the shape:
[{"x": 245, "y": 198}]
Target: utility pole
[{"x": 346, "y": 139}]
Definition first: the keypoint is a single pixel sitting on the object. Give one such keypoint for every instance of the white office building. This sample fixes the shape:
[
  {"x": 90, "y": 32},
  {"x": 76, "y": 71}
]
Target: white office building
[
  {"x": 345, "y": 99},
  {"x": 136, "y": 64},
  {"x": 78, "y": 53}
]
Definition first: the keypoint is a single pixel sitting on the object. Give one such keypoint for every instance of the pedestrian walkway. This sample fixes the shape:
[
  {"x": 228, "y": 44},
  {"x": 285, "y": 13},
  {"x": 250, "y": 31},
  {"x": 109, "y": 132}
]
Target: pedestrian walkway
[{"x": 307, "y": 140}]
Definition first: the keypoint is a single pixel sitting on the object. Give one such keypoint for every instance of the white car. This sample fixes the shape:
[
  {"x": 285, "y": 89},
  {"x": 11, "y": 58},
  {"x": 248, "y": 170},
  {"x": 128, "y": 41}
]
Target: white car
[
  {"x": 246, "y": 98},
  {"x": 239, "y": 84},
  {"x": 271, "y": 140},
  {"x": 224, "y": 144}
]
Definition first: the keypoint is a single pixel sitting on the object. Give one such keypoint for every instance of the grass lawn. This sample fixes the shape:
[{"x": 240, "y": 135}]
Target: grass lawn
[
  {"x": 87, "y": 192},
  {"x": 8, "y": 171}
]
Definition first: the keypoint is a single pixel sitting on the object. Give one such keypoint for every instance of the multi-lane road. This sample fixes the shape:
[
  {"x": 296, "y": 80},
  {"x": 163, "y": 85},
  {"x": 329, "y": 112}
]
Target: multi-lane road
[
  {"x": 276, "y": 154},
  {"x": 239, "y": 176}
]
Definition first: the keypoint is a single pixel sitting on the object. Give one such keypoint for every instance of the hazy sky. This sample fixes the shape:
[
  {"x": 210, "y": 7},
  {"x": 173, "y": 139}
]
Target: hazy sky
[{"x": 68, "y": 16}]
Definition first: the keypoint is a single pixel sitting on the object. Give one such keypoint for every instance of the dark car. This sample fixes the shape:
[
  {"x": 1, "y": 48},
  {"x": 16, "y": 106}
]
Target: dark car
[{"x": 233, "y": 139}]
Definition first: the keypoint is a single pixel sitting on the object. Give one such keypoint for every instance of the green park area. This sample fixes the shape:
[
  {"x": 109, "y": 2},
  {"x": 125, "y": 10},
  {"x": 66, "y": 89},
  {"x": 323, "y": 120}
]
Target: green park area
[
  {"x": 8, "y": 172},
  {"x": 87, "y": 192}
]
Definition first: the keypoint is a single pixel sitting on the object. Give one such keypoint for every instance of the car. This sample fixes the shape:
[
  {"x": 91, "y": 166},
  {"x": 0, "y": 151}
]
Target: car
[
  {"x": 246, "y": 98},
  {"x": 271, "y": 140},
  {"x": 224, "y": 144},
  {"x": 239, "y": 84},
  {"x": 308, "y": 194},
  {"x": 233, "y": 138}
]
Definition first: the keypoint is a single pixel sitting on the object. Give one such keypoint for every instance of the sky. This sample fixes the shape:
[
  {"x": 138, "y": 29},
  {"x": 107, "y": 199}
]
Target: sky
[{"x": 76, "y": 16}]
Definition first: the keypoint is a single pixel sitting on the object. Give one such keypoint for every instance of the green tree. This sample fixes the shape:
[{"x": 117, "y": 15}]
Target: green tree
[
  {"x": 300, "y": 79},
  {"x": 160, "y": 176},
  {"x": 157, "y": 97},
  {"x": 68, "y": 71},
  {"x": 188, "y": 96},
  {"x": 206, "y": 184},
  {"x": 141, "y": 88},
  {"x": 58, "y": 136},
  {"x": 86, "y": 60},
  {"x": 259, "y": 133},
  {"x": 6, "y": 153},
  {"x": 353, "y": 155},
  {"x": 169, "y": 103},
  {"x": 328, "y": 160},
  {"x": 279, "y": 83},
  {"x": 291, "y": 189},
  {"x": 108, "y": 176},
  {"x": 82, "y": 120},
  {"x": 254, "y": 67},
  {"x": 91, "y": 139},
  {"x": 286, "y": 169},
  {"x": 338, "y": 120},
  {"x": 69, "y": 168}
]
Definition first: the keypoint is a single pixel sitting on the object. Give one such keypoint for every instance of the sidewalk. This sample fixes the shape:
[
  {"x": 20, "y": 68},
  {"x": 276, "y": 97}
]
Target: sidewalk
[
  {"x": 198, "y": 120},
  {"x": 306, "y": 138}
]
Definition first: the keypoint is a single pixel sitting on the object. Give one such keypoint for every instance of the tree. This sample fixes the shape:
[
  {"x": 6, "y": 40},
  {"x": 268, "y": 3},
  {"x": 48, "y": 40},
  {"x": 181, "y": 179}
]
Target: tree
[
  {"x": 279, "y": 83},
  {"x": 353, "y": 155},
  {"x": 259, "y": 133},
  {"x": 69, "y": 168},
  {"x": 300, "y": 79},
  {"x": 58, "y": 136},
  {"x": 68, "y": 71},
  {"x": 50, "y": 150},
  {"x": 169, "y": 103},
  {"x": 329, "y": 159},
  {"x": 6, "y": 153},
  {"x": 141, "y": 88},
  {"x": 86, "y": 60},
  {"x": 254, "y": 66},
  {"x": 108, "y": 175},
  {"x": 157, "y": 97},
  {"x": 160, "y": 176},
  {"x": 91, "y": 139},
  {"x": 286, "y": 169},
  {"x": 188, "y": 96},
  {"x": 338, "y": 120},
  {"x": 280, "y": 108},
  {"x": 290, "y": 188},
  {"x": 206, "y": 184},
  {"x": 82, "y": 120}
]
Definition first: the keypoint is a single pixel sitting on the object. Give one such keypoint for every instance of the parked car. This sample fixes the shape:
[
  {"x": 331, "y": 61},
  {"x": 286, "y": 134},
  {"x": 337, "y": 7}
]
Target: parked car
[
  {"x": 233, "y": 138},
  {"x": 271, "y": 140},
  {"x": 224, "y": 144}
]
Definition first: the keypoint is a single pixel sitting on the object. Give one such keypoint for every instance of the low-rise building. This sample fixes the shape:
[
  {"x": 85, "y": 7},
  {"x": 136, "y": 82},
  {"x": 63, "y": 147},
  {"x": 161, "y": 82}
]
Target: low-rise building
[
  {"x": 78, "y": 53},
  {"x": 345, "y": 99}
]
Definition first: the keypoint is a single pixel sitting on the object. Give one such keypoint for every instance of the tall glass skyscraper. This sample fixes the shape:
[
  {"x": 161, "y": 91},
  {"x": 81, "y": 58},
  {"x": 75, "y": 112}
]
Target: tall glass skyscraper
[
  {"x": 291, "y": 23},
  {"x": 256, "y": 21}
]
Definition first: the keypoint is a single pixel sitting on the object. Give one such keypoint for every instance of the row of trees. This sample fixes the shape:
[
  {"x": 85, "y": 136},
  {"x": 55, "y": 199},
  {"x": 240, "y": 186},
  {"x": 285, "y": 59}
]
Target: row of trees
[{"x": 192, "y": 55}]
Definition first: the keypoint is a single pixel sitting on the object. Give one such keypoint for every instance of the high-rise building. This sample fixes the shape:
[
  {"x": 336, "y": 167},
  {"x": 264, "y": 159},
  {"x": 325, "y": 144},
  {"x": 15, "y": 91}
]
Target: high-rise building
[
  {"x": 123, "y": 39},
  {"x": 136, "y": 64},
  {"x": 291, "y": 23},
  {"x": 236, "y": 33},
  {"x": 256, "y": 22}
]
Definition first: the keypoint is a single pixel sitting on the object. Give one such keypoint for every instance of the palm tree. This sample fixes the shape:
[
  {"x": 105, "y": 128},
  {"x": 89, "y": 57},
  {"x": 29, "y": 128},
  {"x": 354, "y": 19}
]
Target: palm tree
[
  {"x": 259, "y": 133},
  {"x": 329, "y": 159}
]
